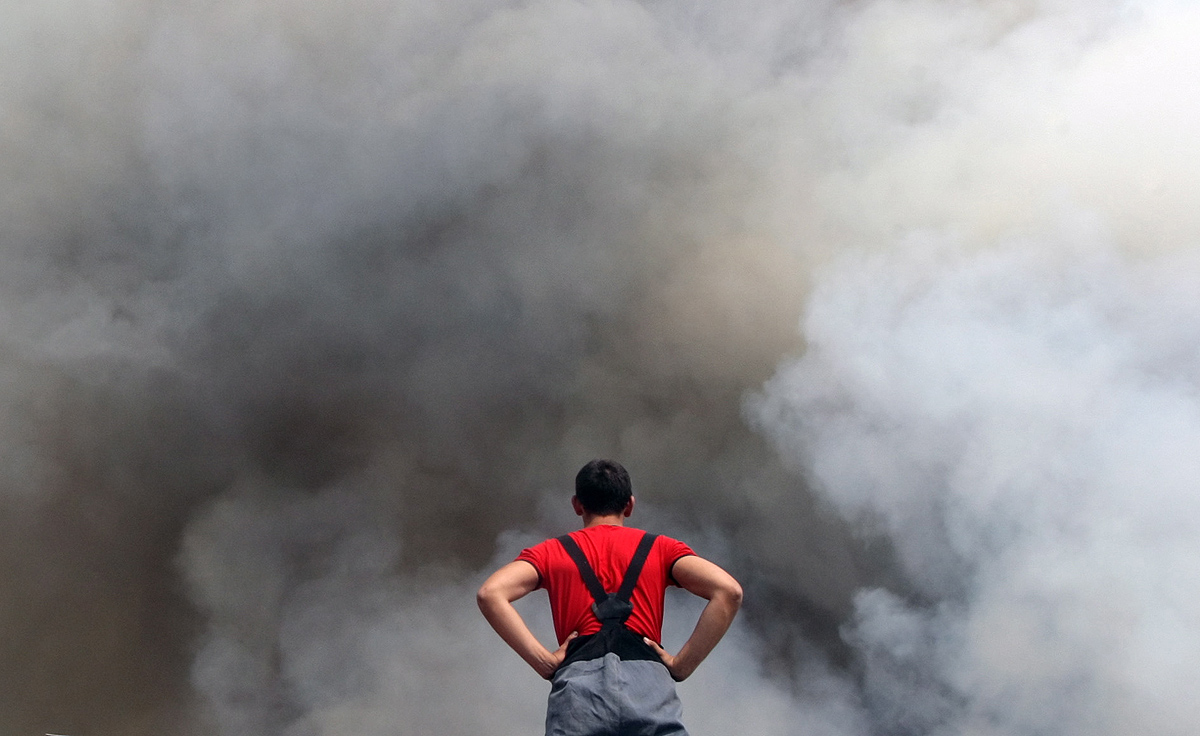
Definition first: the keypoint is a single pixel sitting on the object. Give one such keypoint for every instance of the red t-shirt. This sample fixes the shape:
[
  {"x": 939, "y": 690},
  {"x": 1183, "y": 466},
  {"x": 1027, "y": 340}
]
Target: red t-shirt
[{"x": 608, "y": 549}]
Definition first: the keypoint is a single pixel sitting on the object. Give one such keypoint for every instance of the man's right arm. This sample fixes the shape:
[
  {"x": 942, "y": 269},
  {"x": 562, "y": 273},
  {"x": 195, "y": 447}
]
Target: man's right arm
[
  {"x": 705, "y": 579},
  {"x": 512, "y": 582}
]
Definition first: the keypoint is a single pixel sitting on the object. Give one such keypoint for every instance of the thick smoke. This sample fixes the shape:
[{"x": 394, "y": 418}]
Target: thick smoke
[
  {"x": 308, "y": 306},
  {"x": 1022, "y": 427},
  {"x": 420, "y": 260}
]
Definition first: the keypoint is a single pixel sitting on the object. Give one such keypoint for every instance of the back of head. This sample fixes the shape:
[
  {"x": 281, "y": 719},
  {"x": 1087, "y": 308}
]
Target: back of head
[{"x": 603, "y": 487}]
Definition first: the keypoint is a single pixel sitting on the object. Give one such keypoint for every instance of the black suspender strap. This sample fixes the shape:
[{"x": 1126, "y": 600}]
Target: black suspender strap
[
  {"x": 635, "y": 567},
  {"x": 585, "y": 570},
  {"x": 632, "y": 573}
]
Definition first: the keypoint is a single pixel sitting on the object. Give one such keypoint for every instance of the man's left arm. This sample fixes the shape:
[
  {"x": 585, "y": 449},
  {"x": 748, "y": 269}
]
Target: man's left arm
[
  {"x": 705, "y": 579},
  {"x": 495, "y": 597}
]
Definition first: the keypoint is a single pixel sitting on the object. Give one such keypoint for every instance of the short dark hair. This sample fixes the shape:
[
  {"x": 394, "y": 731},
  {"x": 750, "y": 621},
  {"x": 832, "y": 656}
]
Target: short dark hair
[{"x": 603, "y": 487}]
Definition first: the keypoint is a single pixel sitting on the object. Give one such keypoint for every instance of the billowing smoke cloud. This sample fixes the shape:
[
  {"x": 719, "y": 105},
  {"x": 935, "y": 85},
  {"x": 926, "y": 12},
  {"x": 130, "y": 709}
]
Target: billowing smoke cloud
[
  {"x": 306, "y": 306},
  {"x": 1009, "y": 397},
  {"x": 427, "y": 260},
  {"x": 1023, "y": 428}
]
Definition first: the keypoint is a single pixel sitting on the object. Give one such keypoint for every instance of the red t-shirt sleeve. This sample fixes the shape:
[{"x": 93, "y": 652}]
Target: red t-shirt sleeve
[
  {"x": 672, "y": 551},
  {"x": 536, "y": 556}
]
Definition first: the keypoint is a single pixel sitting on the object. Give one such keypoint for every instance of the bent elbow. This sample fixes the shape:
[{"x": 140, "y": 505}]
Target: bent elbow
[
  {"x": 733, "y": 594},
  {"x": 485, "y": 597}
]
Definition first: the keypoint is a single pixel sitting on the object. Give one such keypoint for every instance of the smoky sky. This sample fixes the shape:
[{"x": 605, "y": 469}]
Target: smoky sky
[{"x": 310, "y": 312}]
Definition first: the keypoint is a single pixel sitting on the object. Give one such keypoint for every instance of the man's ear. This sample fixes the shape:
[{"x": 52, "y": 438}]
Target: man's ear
[
  {"x": 576, "y": 505},
  {"x": 629, "y": 507}
]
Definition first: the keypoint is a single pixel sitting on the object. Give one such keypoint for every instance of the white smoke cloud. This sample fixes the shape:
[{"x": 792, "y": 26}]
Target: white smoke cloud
[
  {"x": 1013, "y": 405},
  {"x": 313, "y": 632},
  {"x": 1021, "y": 424}
]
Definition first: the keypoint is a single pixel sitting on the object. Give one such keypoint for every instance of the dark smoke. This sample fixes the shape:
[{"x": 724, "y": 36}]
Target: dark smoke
[{"x": 295, "y": 277}]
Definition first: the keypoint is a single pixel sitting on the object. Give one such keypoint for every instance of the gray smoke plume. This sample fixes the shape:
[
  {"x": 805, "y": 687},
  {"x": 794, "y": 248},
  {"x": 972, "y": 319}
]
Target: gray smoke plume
[
  {"x": 1022, "y": 426},
  {"x": 311, "y": 311}
]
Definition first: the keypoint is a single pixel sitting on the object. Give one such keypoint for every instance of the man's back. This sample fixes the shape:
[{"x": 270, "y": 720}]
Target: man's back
[{"x": 608, "y": 549}]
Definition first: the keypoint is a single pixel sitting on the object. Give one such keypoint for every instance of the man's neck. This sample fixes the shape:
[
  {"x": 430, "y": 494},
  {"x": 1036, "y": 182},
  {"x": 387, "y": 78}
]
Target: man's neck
[{"x": 609, "y": 520}]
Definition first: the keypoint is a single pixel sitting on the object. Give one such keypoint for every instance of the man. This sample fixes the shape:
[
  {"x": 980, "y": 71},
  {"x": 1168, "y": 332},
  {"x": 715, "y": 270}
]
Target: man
[{"x": 610, "y": 675}]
